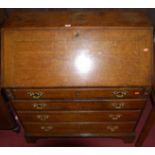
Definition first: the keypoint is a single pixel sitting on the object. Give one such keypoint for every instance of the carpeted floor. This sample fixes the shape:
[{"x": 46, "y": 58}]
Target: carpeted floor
[{"x": 9, "y": 138}]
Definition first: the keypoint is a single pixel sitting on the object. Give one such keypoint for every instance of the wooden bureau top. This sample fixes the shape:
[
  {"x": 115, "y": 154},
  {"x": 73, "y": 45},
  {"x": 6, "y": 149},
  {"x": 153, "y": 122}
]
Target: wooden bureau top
[
  {"x": 79, "y": 57},
  {"x": 77, "y": 19}
]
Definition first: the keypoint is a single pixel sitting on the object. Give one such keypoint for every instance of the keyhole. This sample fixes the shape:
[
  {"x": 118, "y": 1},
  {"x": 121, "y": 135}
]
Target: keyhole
[{"x": 77, "y": 35}]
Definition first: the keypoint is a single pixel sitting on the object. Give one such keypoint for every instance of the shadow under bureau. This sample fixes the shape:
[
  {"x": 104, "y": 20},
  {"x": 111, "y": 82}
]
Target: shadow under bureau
[{"x": 77, "y": 73}]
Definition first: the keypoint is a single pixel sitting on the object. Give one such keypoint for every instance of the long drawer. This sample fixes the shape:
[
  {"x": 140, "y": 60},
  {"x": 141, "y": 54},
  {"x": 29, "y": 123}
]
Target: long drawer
[
  {"x": 76, "y": 93},
  {"x": 78, "y": 129},
  {"x": 78, "y": 116},
  {"x": 79, "y": 105}
]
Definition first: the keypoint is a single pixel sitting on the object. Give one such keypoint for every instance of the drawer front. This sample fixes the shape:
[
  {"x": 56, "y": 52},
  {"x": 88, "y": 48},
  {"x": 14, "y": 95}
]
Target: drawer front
[
  {"x": 80, "y": 105},
  {"x": 78, "y": 129},
  {"x": 78, "y": 116},
  {"x": 76, "y": 93}
]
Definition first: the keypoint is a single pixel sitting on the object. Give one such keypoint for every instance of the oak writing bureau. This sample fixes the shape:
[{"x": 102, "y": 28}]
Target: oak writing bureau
[{"x": 77, "y": 73}]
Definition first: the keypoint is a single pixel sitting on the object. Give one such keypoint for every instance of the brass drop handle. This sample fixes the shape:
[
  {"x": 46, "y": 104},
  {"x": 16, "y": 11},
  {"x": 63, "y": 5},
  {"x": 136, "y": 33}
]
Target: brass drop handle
[
  {"x": 120, "y": 93},
  {"x": 35, "y": 95},
  {"x": 42, "y": 117},
  {"x": 118, "y": 105},
  {"x": 46, "y": 128},
  {"x": 112, "y": 128},
  {"x": 39, "y": 106},
  {"x": 115, "y": 116}
]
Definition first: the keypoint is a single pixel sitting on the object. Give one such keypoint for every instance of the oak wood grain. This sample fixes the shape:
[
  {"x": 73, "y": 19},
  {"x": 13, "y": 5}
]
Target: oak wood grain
[
  {"x": 41, "y": 105},
  {"x": 78, "y": 129},
  {"x": 96, "y": 18},
  {"x": 76, "y": 58},
  {"x": 78, "y": 116},
  {"x": 77, "y": 93}
]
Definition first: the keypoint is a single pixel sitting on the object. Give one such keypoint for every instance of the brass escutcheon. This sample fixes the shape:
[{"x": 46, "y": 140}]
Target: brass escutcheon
[{"x": 77, "y": 93}]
